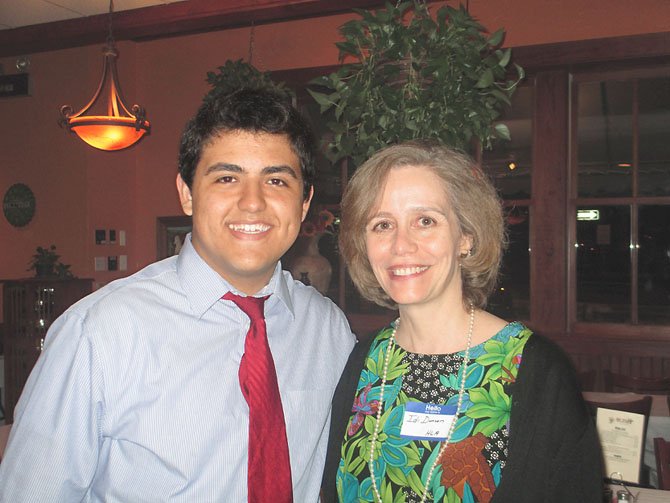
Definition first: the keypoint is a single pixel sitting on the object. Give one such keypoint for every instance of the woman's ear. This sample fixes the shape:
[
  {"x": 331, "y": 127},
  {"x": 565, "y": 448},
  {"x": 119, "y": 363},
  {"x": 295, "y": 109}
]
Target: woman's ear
[{"x": 465, "y": 247}]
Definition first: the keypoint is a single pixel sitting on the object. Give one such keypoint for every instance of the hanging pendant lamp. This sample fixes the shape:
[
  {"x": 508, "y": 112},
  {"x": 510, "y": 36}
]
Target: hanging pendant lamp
[{"x": 120, "y": 127}]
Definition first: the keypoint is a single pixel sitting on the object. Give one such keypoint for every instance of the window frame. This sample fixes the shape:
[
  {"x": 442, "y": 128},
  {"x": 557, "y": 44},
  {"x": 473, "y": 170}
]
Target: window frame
[{"x": 634, "y": 201}]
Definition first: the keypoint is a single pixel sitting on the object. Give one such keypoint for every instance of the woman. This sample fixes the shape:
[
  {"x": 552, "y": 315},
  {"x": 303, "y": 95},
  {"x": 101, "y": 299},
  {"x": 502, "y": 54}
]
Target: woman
[{"x": 422, "y": 230}]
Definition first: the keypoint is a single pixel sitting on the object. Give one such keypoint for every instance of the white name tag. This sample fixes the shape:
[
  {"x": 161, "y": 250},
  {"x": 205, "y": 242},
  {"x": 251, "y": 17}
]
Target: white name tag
[{"x": 427, "y": 421}]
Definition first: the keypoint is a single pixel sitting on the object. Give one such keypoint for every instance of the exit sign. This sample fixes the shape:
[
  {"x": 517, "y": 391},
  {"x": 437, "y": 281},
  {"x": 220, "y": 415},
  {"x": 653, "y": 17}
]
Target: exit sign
[{"x": 13, "y": 85}]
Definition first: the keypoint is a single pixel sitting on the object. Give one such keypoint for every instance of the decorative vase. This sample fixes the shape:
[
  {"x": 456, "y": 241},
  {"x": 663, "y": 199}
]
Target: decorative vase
[{"x": 311, "y": 267}]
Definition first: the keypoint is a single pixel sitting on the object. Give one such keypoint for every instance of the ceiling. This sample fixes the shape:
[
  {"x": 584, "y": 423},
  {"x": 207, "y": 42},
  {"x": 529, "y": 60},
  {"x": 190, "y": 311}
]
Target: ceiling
[
  {"x": 30, "y": 26},
  {"x": 18, "y": 13}
]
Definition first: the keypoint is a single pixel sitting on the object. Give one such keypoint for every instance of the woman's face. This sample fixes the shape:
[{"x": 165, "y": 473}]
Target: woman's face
[{"x": 413, "y": 240}]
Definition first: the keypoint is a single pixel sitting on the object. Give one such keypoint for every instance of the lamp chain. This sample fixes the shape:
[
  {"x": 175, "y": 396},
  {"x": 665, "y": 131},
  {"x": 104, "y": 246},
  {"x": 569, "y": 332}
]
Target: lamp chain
[
  {"x": 252, "y": 40},
  {"x": 110, "y": 35}
]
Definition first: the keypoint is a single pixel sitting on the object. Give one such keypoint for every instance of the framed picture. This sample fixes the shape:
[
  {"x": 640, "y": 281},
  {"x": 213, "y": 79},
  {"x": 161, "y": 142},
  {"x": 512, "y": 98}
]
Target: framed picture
[{"x": 170, "y": 235}]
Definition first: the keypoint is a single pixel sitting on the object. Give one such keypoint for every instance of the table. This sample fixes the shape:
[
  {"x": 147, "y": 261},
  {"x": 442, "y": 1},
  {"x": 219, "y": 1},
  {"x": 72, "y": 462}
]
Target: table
[
  {"x": 644, "y": 495},
  {"x": 657, "y": 426}
]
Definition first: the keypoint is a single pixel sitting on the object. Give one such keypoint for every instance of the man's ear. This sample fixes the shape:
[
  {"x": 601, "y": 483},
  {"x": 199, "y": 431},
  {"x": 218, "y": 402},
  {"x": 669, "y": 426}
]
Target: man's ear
[
  {"x": 185, "y": 196},
  {"x": 306, "y": 203}
]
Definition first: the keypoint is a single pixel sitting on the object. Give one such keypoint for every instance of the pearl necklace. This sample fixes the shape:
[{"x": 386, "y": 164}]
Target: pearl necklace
[{"x": 445, "y": 443}]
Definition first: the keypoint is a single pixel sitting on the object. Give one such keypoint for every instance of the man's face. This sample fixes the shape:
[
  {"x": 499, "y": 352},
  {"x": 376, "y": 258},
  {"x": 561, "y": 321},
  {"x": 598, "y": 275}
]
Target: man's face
[{"x": 247, "y": 205}]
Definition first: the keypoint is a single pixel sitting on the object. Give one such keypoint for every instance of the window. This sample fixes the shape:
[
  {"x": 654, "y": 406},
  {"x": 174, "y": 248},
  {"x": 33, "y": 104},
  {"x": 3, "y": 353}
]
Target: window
[{"x": 622, "y": 197}]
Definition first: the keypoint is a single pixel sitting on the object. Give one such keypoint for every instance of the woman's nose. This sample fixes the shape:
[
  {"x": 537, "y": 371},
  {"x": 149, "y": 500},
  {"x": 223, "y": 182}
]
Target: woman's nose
[{"x": 403, "y": 242}]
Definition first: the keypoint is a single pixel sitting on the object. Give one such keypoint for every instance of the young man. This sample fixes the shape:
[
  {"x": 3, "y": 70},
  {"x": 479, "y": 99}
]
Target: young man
[{"x": 148, "y": 389}]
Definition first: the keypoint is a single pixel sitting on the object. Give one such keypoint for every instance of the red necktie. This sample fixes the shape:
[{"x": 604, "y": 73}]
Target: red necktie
[{"x": 269, "y": 474}]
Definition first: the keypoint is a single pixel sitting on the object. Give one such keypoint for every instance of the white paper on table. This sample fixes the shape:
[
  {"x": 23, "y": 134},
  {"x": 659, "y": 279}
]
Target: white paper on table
[{"x": 621, "y": 438}]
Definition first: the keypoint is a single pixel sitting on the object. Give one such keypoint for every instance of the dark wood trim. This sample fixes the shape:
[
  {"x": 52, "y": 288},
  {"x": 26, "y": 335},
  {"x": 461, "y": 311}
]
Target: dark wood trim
[
  {"x": 647, "y": 47},
  {"x": 621, "y": 331},
  {"x": 599, "y": 345},
  {"x": 174, "y": 19},
  {"x": 549, "y": 202}
]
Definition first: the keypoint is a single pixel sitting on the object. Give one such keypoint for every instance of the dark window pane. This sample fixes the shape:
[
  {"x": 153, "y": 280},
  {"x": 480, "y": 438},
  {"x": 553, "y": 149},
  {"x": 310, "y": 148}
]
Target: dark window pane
[
  {"x": 654, "y": 265},
  {"x": 509, "y": 162},
  {"x": 510, "y": 301},
  {"x": 654, "y": 120},
  {"x": 604, "y": 139},
  {"x": 603, "y": 264}
]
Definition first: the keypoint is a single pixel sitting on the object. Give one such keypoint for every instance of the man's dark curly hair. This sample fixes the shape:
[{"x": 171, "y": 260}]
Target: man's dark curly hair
[{"x": 253, "y": 111}]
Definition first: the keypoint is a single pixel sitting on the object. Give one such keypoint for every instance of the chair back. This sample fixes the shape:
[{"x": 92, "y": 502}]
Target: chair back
[
  {"x": 4, "y": 435},
  {"x": 640, "y": 405},
  {"x": 587, "y": 380},
  {"x": 620, "y": 382},
  {"x": 662, "y": 453}
]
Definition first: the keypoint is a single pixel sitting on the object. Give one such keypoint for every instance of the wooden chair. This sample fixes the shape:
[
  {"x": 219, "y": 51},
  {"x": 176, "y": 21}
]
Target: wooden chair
[
  {"x": 587, "y": 380},
  {"x": 638, "y": 406},
  {"x": 662, "y": 453},
  {"x": 619, "y": 382},
  {"x": 4, "y": 435}
]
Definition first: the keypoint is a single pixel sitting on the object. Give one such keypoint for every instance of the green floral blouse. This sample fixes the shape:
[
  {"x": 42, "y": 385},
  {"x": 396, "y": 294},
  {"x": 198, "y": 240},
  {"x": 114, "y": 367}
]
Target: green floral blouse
[{"x": 471, "y": 467}]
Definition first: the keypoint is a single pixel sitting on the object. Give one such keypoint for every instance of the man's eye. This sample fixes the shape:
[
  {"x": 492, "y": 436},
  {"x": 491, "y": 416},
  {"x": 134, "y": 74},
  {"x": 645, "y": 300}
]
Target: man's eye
[
  {"x": 277, "y": 181},
  {"x": 225, "y": 179}
]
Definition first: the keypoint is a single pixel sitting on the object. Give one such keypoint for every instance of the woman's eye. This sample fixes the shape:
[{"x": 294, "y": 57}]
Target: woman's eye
[
  {"x": 426, "y": 221},
  {"x": 381, "y": 226}
]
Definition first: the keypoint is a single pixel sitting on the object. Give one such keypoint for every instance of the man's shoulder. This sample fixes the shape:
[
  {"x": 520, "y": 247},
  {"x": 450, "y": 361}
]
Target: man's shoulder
[
  {"x": 308, "y": 298},
  {"x": 153, "y": 278},
  {"x": 311, "y": 308}
]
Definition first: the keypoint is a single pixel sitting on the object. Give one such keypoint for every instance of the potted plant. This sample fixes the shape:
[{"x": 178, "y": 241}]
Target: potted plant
[
  {"x": 415, "y": 76},
  {"x": 234, "y": 75},
  {"x": 45, "y": 262}
]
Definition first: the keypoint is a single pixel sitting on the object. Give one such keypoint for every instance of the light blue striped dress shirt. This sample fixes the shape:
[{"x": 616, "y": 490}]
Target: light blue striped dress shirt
[{"x": 136, "y": 396}]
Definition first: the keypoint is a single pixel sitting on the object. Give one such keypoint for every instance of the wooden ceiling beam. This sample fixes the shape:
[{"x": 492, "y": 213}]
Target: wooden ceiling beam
[{"x": 179, "y": 18}]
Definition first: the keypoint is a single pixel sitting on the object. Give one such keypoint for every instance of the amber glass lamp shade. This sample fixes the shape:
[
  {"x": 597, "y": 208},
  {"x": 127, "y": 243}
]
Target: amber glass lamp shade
[
  {"x": 108, "y": 132},
  {"x": 113, "y": 126}
]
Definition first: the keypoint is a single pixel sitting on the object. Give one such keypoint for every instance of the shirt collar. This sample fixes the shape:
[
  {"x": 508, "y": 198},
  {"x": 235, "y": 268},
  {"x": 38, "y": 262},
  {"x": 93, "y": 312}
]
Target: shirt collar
[{"x": 204, "y": 287}]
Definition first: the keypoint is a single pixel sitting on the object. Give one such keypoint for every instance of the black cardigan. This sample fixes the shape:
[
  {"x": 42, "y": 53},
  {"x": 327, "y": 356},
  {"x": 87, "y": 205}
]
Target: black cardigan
[{"x": 553, "y": 452}]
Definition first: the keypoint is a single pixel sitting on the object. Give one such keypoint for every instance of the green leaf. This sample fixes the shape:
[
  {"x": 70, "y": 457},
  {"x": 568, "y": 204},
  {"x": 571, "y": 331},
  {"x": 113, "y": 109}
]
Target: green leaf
[
  {"x": 413, "y": 457},
  {"x": 322, "y": 99},
  {"x": 387, "y": 493},
  {"x": 481, "y": 410},
  {"x": 485, "y": 80},
  {"x": 414, "y": 482},
  {"x": 357, "y": 466},
  {"x": 502, "y": 131},
  {"x": 504, "y": 60},
  {"x": 396, "y": 475},
  {"x": 496, "y": 38},
  {"x": 488, "y": 426}
]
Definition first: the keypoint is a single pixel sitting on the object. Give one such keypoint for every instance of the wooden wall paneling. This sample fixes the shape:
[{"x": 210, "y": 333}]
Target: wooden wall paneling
[{"x": 643, "y": 359}]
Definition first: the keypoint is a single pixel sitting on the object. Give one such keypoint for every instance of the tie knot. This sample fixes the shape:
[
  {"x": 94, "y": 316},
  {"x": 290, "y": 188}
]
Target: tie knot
[{"x": 252, "y": 306}]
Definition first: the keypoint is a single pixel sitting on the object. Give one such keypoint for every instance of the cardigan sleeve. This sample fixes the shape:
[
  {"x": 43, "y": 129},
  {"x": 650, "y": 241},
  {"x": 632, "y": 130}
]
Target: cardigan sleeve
[
  {"x": 554, "y": 450},
  {"x": 341, "y": 412}
]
